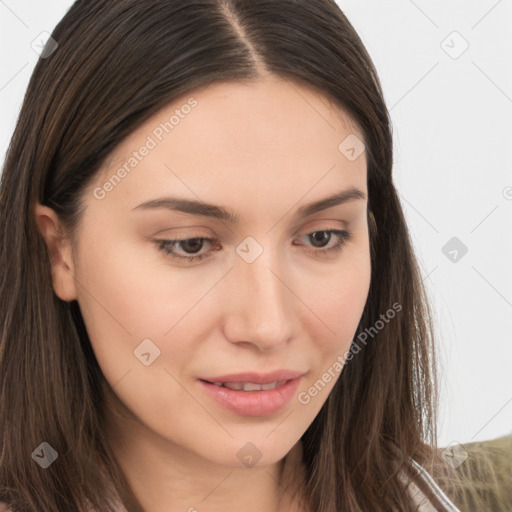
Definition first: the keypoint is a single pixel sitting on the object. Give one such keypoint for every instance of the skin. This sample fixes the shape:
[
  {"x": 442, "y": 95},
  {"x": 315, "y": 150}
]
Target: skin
[{"x": 262, "y": 150}]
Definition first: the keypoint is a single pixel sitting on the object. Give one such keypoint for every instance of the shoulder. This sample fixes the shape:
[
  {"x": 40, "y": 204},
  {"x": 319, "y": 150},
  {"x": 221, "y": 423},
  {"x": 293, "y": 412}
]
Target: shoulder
[{"x": 484, "y": 475}]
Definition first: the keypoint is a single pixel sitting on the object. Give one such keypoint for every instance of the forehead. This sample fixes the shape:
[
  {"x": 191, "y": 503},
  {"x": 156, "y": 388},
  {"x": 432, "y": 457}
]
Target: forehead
[{"x": 238, "y": 140}]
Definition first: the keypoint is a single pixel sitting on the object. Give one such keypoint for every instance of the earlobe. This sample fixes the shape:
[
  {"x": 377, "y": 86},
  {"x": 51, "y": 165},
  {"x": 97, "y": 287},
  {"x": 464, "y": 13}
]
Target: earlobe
[{"x": 59, "y": 251}]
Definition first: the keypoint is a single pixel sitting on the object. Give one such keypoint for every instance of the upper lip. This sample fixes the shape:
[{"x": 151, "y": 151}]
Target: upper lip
[{"x": 257, "y": 378}]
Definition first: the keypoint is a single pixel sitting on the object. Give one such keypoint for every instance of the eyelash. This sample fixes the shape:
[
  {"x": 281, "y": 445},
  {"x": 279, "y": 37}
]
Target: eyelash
[{"x": 164, "y": 245}]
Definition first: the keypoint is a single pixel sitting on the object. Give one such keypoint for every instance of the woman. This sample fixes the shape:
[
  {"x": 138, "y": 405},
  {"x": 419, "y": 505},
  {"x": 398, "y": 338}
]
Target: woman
[{"x": 209, "y": 298}]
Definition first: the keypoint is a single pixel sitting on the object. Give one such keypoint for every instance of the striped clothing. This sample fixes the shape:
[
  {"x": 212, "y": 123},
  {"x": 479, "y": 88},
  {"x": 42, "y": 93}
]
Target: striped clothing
[{"x": 426, "y": 494}]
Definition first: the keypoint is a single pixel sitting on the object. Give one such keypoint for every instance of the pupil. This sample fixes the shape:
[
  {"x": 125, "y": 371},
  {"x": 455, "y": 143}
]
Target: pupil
[
  {"x": 194, "y": 242},
  {"x": 320, "y": 239}
]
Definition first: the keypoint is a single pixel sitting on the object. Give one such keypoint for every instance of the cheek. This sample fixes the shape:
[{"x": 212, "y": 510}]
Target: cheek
[
  {"x": 130, "y": 294},
  {"x": 338, "y": 307},
  {"x": 130, "y": 286},
  {"x": 338, "y": 300},
  {"x": 340, "y": 314}
]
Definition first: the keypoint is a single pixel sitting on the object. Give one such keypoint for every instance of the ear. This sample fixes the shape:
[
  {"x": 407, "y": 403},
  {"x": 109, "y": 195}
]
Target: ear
[{"x": 61, "y": 259}]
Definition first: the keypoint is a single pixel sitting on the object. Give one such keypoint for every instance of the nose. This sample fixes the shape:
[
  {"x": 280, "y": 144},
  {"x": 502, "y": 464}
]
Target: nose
[{"x": 260, "y": 308}]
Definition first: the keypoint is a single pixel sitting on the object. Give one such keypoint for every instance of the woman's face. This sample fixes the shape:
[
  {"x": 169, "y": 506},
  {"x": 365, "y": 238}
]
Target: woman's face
[{"x": 265, "y": 295}]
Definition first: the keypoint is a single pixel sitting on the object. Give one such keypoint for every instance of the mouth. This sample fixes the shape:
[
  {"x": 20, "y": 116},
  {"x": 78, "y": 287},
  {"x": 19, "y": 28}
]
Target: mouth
[
  {"x": 248, "y": 386},
  {"x": 251, "y": 394}
]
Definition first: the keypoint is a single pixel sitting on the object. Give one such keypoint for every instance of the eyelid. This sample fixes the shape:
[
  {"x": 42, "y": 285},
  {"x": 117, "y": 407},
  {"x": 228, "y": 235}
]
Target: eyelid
[
  {"x": 191, "y": 232},
  {"x": 320, "y": 224},
  {"x": 196, "y": 231}
]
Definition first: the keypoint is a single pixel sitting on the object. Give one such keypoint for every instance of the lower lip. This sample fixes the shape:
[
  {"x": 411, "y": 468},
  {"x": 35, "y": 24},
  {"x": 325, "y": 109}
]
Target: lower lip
[{"x": 253, "y": 403}]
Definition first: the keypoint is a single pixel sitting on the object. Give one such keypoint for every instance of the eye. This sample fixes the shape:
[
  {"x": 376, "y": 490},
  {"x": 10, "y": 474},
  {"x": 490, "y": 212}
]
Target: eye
[
  {"x": 320, "y": 239},
  {"x": 192, "y": 244}
]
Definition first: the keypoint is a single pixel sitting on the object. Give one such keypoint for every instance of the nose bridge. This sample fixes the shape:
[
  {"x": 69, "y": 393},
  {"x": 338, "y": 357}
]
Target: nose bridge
[{"x": 260, "y": 310}]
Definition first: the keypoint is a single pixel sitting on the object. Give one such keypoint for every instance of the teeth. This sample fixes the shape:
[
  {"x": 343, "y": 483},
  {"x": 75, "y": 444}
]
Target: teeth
[
  {"x": 252, "y": 387},
  {"x": 234, "y": 385},
  {"x": 249, "y": 386},
  {"x": 270, "y": 385}
]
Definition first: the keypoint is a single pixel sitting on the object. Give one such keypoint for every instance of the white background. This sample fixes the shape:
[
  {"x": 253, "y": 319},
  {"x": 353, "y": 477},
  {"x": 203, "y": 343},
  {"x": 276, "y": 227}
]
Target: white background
[{"x": 452, "y": 124}]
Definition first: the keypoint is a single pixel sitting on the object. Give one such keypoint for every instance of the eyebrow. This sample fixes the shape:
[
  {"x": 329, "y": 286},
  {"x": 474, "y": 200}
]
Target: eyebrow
[{"x": 194, "y": 207}]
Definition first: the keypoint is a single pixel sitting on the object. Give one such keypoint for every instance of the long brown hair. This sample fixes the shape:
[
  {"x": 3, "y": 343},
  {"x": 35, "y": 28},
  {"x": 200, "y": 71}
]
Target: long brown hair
[{"x": 116, "y": 64}]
